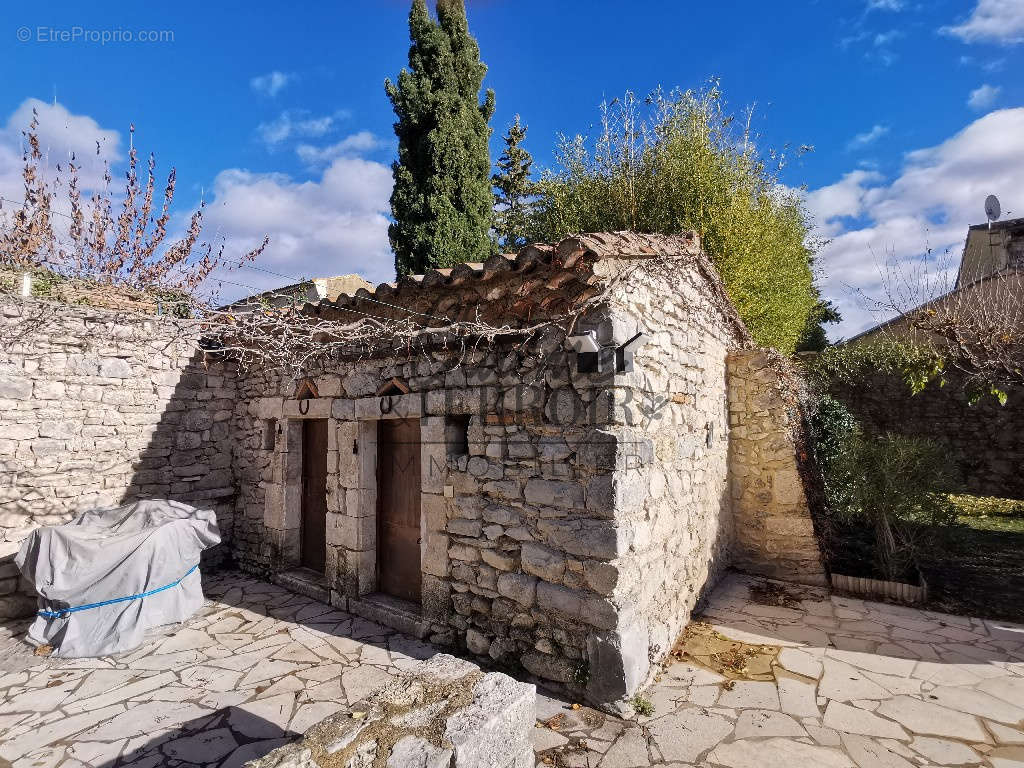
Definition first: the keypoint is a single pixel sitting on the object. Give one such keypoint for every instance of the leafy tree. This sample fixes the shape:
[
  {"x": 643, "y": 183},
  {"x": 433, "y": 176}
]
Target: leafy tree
[
  {"x": 813, "y": 338},
  {"x": 441, "y": 202},
  {"x": 676, "y": 162},
  {"x": 513, "y": 189}
]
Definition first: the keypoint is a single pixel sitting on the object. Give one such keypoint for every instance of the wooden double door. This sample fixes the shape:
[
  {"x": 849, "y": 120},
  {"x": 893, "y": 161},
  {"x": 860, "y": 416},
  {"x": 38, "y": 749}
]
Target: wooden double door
[{"x": 398, "y": 508}]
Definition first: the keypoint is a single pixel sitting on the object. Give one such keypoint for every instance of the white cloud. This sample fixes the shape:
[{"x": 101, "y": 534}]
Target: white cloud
[
  {"x": 862, "y": 140},
  {"x": 884, "y": 38},
  {"x": 271, "y": 83},
  {"x": 993, "y": 21},
  {"x": 938, "y": 193},
  {"x": 364, "y": 141},
  {"x": 293, "y": 124},
  {"x": 886, "y": 5},
  {"x": 984, "y": 97},
  {"x": 332, "y": 226},
  {"x": 62, "y": 135}
]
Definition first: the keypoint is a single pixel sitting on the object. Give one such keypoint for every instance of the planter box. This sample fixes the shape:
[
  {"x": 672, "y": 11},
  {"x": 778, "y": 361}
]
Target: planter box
[{"x": 893, "y": 590}]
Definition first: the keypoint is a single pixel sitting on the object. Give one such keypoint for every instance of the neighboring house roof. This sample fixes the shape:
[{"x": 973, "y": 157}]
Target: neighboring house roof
[
  {"x": 991, "y": 283},
  {"x": 991, "y": 248},
  {"x": 991, "y": 252},
  {"x": 315, "y": 289}
]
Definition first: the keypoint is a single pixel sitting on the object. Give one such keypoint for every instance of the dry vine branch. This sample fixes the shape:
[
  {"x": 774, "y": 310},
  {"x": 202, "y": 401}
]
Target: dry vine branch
[
  {"x": 978, "y": 328},
  {"x": 127, "y": 252}
]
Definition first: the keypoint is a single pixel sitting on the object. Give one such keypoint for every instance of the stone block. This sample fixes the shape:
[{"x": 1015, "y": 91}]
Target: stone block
[
  {"x": 477, "y": 642},
  {"x": 518, "y": 587},
  {"x": 499, "y": 560},
  {"x": 554, "y": 493},
  {"x": 543, "y": 561},
  {"x": 15, "y": 388},
  {"x": 434, "y": 554},
  {"x": 618, "y": 662},
  {"x": 462, "y": 527},
  {"x": 311, "y": 408},
  {"x": 343, "y": 409},
  {"x": 598, "y": 539}
]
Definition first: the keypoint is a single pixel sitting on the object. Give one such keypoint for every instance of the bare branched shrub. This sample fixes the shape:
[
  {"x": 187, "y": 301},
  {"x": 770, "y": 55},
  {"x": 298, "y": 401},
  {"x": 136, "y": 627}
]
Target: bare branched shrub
[
  {"x": 87, "y": 242},
  {"x": 977, "y": 328}
]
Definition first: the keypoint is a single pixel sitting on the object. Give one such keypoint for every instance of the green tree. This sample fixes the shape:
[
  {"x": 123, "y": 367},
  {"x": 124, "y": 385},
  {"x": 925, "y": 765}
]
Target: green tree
[
  {"x": 813, "y": 337},
  {"x": 513, "y": 189},
  {"x": 441, "y": 202},
  {"x": 675, "y": 162}
]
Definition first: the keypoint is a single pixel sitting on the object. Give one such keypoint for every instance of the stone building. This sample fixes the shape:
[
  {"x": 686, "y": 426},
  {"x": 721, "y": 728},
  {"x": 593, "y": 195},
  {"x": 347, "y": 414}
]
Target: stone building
[{"x": 555, "y": 500}]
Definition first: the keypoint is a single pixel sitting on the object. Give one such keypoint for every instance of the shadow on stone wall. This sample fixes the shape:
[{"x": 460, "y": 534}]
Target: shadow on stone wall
[
  {"x": 984, "y": 441},
  {"x": 188, "y": 457}
]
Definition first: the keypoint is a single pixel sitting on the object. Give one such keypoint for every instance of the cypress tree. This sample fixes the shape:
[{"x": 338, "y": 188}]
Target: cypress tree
[
  {"x": 513, "y": 189},
  {"x": 441, "y": 202}
]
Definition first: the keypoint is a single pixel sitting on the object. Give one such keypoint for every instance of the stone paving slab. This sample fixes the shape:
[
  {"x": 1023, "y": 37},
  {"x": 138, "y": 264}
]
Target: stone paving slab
[
  {"x": 856, "y": 685},
  {"x": 255, "y": 667}
]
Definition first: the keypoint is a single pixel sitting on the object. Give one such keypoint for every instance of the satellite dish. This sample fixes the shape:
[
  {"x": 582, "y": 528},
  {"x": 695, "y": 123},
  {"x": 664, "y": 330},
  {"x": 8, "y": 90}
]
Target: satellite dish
[{"x": 992, "y": 209}]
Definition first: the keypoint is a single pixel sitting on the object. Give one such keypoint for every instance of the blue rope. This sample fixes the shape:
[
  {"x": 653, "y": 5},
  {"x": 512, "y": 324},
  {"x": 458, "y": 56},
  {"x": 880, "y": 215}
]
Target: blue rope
[{"x": 67, "y": 611}]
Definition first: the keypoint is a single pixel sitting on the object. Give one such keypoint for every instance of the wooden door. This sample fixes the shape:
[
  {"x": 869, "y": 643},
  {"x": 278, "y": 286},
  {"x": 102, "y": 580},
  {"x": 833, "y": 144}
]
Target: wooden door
[
  {"x": 314, "y": 494},
  {"x": 398, "y": 508}
]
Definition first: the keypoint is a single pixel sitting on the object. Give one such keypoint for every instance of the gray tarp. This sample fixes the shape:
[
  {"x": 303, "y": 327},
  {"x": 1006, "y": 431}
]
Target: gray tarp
[{"x": 114, "y": 553}]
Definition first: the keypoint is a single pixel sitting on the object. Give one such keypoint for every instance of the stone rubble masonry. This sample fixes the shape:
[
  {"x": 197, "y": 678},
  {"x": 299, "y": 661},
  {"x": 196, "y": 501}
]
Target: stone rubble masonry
[
  {"x": 775, "y": 534},
  {"x": 983, "y": 442},
  {"x": 444, "y": 713},
  {"x": 98, "y": 408}
]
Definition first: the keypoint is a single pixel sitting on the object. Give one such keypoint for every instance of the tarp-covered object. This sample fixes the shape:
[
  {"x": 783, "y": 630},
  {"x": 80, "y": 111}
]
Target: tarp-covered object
[{"x": 106, "y": 555}]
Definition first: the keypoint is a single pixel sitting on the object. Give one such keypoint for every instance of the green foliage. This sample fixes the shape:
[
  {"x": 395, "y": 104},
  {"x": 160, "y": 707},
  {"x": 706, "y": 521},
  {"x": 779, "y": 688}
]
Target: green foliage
[
  {"x": 813, "y": 338},
  {"x": 513, "y": 189},
  {"x": 676, "y": 162},
  {"x": 442, "y": 198},
  {"x": 852, "y": 364},
  {"x": 642, "y": 706},
  {"x": 967, "y": 506},
  {"x": 832, "y": 426},
  {"x": 892, "y": 485}
]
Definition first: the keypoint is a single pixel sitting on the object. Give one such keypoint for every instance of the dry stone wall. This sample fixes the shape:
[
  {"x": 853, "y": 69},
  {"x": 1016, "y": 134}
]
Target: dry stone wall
[
  {"x": 984, "y": 442},
  {"x": 98, "y": 408},
  {"x": 775, "y": 533}
]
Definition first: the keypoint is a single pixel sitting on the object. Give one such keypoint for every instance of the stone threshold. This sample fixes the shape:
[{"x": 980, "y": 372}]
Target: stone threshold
[
  {"x": 305, "y": 582},
  {"x": 392, "y": 612}
]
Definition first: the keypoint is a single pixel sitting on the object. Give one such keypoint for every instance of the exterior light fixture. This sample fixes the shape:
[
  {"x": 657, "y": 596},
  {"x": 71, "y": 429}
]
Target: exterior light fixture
[
  {"x": 624, "y": 354},
  {"x": 586, "y": 348}
]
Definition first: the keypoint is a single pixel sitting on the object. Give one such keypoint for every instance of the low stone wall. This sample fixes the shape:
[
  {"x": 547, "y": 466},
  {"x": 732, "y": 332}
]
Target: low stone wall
[
  {"x": 775, "y": 534},
  {"x": 984, "y": 442},
  {"x": 98, "y": 408},
  {"x": 444, "y": 714}
]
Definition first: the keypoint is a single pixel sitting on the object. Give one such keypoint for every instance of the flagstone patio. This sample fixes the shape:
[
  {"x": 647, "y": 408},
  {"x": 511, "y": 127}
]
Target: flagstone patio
[{"x": 853, "y": 683}]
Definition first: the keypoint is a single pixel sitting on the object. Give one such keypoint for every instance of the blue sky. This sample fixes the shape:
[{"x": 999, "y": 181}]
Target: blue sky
[{"x": 278, "y": 117}]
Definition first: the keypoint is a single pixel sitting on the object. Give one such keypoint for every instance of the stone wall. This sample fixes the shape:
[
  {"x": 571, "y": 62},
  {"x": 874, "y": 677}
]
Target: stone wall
[
  {"x": 669, "y": 485},
  {"x": 98, "y": 408},
  {"x": 775, "y": 534},
  {"x": 984, "y": 441},
  {"x": 445, "y": 712}
]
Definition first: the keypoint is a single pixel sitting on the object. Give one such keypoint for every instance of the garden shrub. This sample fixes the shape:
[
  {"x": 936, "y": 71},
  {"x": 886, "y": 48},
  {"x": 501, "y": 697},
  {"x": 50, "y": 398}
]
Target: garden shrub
[
  {"x": 679, "y": 161},
  {"x": 891, "y": 486}
]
